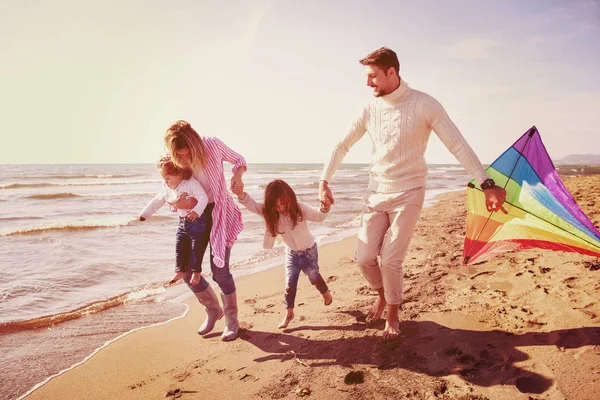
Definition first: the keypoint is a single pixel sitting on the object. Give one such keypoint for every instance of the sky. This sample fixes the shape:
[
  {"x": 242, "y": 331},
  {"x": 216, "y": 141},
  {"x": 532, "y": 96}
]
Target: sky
[{"x": 279, "y": 81}]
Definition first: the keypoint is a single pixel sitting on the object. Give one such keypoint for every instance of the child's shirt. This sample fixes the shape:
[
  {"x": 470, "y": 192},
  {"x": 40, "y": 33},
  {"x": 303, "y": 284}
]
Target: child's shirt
[
  {"x": 167, "y": 195},
  {"x": 297, "y": 238}
]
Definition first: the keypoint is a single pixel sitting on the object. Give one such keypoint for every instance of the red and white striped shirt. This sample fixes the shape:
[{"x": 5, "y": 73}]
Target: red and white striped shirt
[{"x": 226, "y": 216}]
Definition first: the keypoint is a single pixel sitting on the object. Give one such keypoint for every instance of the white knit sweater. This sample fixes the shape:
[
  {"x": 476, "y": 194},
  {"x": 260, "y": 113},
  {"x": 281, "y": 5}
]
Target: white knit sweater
[{"x": 400, "y": 124}]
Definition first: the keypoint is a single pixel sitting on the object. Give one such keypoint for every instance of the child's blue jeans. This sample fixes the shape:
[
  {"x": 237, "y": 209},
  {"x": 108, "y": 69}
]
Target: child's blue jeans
[
  {"x": 190, "y": 244},
  {"x": 306, "y": 261},
  {"x": 222, "y": 275}
]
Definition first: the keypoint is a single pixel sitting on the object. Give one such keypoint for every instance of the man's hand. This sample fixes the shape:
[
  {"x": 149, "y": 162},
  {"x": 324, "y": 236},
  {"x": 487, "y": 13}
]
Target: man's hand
[
  {"x": 494, "y": 198},
  {"x": 185, "y": 202},
  {"x": 325, "y": 193},
  {"x": 177, "y": 277}
]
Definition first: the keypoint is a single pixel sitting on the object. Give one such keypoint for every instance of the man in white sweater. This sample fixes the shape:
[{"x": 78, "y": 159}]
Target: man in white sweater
[{"x": 399, "y": 121}]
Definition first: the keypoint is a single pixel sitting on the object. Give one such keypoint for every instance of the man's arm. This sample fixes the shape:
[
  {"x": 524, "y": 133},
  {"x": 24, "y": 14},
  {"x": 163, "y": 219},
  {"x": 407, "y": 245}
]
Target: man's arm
[
  {"x": 447, "y": 131},
  {"x": 355, "y": 133}
]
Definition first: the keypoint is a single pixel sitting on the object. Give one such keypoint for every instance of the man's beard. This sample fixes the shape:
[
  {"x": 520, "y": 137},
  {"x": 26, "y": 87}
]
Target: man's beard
[{"x": 379, "y": 93}]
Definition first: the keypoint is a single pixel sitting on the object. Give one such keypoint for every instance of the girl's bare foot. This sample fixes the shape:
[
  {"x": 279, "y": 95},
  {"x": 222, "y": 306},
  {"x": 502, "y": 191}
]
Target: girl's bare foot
[
  {"x": 287, "y": 319},
  {"x": 377, "y": 310},
  {"x": 327, "y": 298}
]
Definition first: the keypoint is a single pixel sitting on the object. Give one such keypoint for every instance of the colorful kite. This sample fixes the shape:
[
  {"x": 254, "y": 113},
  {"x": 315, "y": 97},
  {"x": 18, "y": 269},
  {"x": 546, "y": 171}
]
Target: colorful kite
[{"x": 541, "y": 211}]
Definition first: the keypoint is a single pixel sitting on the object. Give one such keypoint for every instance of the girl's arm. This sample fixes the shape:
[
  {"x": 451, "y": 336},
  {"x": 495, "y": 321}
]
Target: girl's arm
[
  {"x": 312, "y": 214},
  {"x": 251, "y": 204},
  {"x": 153, "y": 206}
]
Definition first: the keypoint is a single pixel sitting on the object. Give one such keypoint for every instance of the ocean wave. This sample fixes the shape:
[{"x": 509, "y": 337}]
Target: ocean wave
[
  {"x": 313, "y": 184},
  {"x": 80, "y": 176},
  {"x": 55, "y": 184},
  {"x": 71, "y": 226},
  {"x": 51, "y": 196},
  {"x": 92, "y": 308}
]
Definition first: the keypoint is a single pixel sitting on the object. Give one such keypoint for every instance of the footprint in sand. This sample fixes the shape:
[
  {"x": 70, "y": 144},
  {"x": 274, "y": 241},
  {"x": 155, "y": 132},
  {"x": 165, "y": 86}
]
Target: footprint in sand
[{"x": 538, "y": 379}]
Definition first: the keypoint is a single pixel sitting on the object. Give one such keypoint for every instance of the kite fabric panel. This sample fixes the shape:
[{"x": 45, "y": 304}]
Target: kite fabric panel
[{"x": 541, "y": 211}]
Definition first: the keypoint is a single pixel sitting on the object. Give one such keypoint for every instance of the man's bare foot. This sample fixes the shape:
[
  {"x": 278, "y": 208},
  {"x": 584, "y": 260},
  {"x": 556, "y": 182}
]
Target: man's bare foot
[
  {"x": 327, "y": 298},
  {"x": 377, "y": 310},
  {"x": 287, "y": 319},
  {"x": 392, "y": 324}
]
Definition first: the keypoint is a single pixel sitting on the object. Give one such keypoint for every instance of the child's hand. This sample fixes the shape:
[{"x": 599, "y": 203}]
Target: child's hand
[
  {"x": 192, "y": 216},
  {"x": 177, "y": 277},
  {"x": 325, "y": 204},
  {"x": 195, "y": 278},
  {"x": 238, "y": 189}
]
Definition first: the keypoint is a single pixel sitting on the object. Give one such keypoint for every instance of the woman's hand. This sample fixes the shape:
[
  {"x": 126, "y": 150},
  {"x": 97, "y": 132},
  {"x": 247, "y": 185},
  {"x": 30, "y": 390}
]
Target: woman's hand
[
  {"x": 236, "y": 180},
  {"x": 239, "y": 191},
  {"x": 185, "y": 202}
]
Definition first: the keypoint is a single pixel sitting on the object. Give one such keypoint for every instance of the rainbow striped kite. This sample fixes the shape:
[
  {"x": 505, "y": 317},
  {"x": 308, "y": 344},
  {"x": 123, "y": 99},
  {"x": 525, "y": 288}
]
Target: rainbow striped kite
[{"x": 541, "y": 211}]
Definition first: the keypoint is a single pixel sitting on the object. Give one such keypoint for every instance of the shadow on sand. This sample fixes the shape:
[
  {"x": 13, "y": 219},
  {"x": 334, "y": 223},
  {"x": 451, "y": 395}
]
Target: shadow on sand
[{"x": 483, "y": 358}]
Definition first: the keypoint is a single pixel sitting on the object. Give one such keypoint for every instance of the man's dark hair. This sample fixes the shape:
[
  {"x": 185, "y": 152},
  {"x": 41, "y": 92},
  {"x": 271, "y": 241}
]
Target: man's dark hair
[{"x": 384, "y": 58}]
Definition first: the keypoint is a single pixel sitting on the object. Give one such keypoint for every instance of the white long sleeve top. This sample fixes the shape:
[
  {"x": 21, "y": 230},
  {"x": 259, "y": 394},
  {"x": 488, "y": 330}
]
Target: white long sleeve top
[
  {"x": 297, "y": 238},
  {"x": 170, "y": 196},
  {"x": 399, "y": 125}
]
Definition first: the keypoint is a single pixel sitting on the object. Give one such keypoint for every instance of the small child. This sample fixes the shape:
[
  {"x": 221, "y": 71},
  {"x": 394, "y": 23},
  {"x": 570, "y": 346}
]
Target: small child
[
  {"x": 192, "y": 236},
  {"x": 287, "y": 217}
]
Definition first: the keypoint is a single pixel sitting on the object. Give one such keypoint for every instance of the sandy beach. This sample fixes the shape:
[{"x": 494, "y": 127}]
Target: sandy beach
[{"x": 522, "y": 325}]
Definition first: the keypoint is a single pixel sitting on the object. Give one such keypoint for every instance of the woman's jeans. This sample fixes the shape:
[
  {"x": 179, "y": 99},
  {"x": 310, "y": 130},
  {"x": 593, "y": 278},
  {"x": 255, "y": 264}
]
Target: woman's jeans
[
  {"x": 306, "y": 261},
  {"x": 222, "y": 276}
]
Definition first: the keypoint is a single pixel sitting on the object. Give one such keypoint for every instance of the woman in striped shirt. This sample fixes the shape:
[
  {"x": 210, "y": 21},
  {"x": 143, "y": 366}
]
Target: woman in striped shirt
[{"x": 205, "y": 155}]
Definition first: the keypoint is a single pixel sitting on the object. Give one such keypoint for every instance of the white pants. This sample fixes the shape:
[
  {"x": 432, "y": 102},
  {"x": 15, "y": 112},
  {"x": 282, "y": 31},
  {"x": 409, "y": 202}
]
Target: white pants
[{"x": 388, "y": 223}]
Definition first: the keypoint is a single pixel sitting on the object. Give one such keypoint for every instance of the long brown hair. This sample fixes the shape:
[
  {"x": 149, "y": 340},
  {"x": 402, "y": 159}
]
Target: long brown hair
[
  {"x": 181, "y": 136},
  {"x": 274, "y": 191}
]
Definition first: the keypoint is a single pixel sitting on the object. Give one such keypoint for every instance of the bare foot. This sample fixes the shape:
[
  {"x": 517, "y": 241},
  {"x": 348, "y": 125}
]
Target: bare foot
[
  {"x": 327, "y": 298},
  {"x": 377, "y": 310},
  {"x": 392, "y": 324},
  {"x": 287, "y": 319}
]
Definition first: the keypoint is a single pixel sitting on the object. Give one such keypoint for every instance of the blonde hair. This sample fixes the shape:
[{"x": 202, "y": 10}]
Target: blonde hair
[{"x": 181, "y": 136}]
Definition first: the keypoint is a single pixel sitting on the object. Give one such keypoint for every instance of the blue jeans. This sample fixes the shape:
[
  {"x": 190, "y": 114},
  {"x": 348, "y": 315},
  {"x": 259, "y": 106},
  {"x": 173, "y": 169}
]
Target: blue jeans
[
  {"x": 306, "y": 261},
  {"x": 190, "y": 244},
  {"x": 222, "y": 276}
]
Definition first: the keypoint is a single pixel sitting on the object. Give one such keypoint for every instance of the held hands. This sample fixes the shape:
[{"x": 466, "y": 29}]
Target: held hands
[
  {"x": 238, "y": 190},
  {"x": 325, "y": 195},
  {"x": 494, "y": 198},
  {"x": 236, "y": 181},
  {"x": 325, "y": 205}
]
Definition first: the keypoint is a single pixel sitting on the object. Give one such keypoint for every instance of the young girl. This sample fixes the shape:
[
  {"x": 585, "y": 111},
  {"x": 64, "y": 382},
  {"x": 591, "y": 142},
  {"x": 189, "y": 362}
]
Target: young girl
[
  {"x": 287, "y": 217},
  {"x": 189, "y": 242}
]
